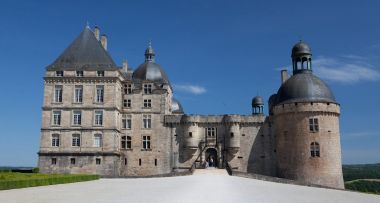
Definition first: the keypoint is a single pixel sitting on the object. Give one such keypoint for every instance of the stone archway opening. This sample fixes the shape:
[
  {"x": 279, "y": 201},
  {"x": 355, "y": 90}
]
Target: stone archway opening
[{"x": 211, "y": 157}]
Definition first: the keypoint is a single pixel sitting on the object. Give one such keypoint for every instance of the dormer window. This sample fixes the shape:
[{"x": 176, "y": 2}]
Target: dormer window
[
  {"x": 59, "y": 73},
  {"x": 100, "y": 73},
  {"x": 147, "y": 88},
  {"x": 79, "y": 73}
]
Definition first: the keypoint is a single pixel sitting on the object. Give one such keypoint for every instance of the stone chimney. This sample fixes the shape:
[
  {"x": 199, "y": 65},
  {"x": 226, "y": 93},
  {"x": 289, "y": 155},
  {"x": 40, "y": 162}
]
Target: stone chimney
[
  {"x": 103, "y": 40},
  {"x": 284, "y": 76},
  {"x": 125, "y": 66},
  {"x": 97, "y": 32}
]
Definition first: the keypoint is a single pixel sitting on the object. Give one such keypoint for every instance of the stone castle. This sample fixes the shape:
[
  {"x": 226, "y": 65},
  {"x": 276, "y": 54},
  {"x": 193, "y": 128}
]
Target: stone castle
[{"x": 103, "y": 119}]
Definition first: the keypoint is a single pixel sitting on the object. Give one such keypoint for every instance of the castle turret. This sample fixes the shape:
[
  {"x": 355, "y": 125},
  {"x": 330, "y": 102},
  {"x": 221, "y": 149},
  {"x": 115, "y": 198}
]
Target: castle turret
[
  {"x": 306, "y": 125},
  {"x": 257, "y": 105}
]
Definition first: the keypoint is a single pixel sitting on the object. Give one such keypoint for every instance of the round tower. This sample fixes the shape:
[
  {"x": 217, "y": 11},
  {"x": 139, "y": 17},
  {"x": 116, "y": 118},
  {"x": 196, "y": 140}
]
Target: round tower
[
  {"x": 257, "y": 105},
  {"x": 306, "y": 126}
]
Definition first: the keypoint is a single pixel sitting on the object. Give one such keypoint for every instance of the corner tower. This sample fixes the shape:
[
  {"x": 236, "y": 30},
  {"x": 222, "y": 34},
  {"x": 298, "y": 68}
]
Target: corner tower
[{"x": 306, "y": 125}]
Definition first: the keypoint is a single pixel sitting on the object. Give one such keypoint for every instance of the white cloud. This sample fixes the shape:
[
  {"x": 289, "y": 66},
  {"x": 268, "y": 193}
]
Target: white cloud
[
  {"x": 193, "y": 89},
  {"x": 360, "y": 134},
  {"x": 349, "y": 69}
]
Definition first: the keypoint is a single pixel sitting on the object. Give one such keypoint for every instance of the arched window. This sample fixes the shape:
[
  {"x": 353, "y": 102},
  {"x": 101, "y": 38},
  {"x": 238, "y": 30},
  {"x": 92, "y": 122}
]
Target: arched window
[
  {"x": 314, "y": 149},
  {"x": 310, "y": 63},
  {"x": 304, "y": 63},
  {"x": 299, "y": 64}
]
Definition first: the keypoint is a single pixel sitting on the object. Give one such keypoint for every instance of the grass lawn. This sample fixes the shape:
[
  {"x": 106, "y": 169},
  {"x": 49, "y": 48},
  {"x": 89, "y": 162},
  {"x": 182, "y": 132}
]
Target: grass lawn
[{"x": 11, "y": 180}]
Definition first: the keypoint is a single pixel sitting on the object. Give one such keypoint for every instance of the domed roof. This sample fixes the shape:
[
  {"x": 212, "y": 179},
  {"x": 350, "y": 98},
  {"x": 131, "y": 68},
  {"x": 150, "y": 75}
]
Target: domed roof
[
  {"x": 257, "y": 101},
  {"x": 304, "y": 87},
  {"x": 150, "y": 71},
  {"x": 301, "y": 48},
  {"x": 176, "y": 106}
]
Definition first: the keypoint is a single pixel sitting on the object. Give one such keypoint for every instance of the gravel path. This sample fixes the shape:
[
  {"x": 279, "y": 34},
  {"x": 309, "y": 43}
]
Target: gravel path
[{"x": 203, "y": 186}]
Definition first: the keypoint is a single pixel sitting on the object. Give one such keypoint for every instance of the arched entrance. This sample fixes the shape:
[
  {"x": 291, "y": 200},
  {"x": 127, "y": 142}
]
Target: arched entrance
[{"x": 211, "y": 156}]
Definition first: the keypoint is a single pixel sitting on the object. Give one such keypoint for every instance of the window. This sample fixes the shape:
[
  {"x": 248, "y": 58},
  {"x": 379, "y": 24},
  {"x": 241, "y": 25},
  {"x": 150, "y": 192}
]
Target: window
[
  {"x": 127, "y": 122},
  {"x": 147, "y": 88},
  {"x": 211, "y": 132},
  {"x": 313, "y": 125},
  {"x": 190, "y": 134},
  {"x": 129, "y": 142},
  {"x": 56, "y": 117},
  {"x": 155, "y": 162},
  {"x": 78, "y": 97},
  {"x": 100, "y": 73},
  {"x": 99, "y": 93},
  {"x": 125, "y": 161},
  {"x": 147, "y": 103},
  {"x": 98, "y": 161},
  {"x": 147, "y": 121},
  {"x": 146, "y": 142},
  {"x": 314, "y": 149},
  {"x": 79, "y": 73},
  {"x": 98, "y": 141},
  {"x": 123, "y": 142},
  {"x": 75, "y": 140},
  {"x": 232, "y": 134},
  {"x": 127, "y": 103},
  {"x": 59, "y": 73},
  {"x": 58, "y": 93},
  {"x": 55, "y": 140},
  {"x": 126, "y": 142},
  {"x": 77, "y": 117},
  {"x": 72, "y": 161},
  {"x": 99, "y": 118},
  {"x": 53, "y": 161},
  {"x": 128, "y": 89},
  {"x": 139, "y": 162}
]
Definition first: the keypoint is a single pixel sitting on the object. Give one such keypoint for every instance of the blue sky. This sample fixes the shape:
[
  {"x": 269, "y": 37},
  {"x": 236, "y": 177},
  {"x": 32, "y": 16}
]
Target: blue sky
[{"x": 217, "y": 54}]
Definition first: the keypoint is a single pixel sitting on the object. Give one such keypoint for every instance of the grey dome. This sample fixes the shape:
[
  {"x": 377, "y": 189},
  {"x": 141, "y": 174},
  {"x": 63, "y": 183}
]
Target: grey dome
[
  {"x": 176, "y": 106},
  {"x": 301, "y": 48},
  {"x": 150, "y": 71},
  {"x": 257, "y": 101},
  {"x": 304, "y": 87}
]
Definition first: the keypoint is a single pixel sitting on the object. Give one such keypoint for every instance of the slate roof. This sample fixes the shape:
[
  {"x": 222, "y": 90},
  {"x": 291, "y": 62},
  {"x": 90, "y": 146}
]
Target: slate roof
[
  {"x": 304, "y": 87},
  {"x": 85, "y": 52}
]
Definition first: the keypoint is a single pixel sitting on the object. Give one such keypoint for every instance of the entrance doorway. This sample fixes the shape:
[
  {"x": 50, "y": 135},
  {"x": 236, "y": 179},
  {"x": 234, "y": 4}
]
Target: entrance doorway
[{"x": 211, "y": 157}]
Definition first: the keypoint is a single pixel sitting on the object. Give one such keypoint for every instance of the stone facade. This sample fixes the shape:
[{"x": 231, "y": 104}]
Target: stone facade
[{"x": 129, "y": 124}]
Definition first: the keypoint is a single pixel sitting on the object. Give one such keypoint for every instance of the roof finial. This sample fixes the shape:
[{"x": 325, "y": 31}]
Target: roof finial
[
  {"x": 87, "y": 24},
  {"x": 300, "y": 38},
  {"x": 149, "y": 52}
]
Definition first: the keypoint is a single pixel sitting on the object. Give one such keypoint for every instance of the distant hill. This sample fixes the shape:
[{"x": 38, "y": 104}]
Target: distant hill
[
  {"x": 361, "y": 171},
  {"x": 6, "y": 168}
]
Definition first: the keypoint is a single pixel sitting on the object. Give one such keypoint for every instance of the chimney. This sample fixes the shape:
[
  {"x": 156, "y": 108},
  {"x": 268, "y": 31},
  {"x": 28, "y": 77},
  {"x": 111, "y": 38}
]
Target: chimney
[
  {"x": 97, "y": 32},
  {"x": 103, "y": 40},
  {"x": 125, "y": 66},
  {"x": 284, "y": 75}
]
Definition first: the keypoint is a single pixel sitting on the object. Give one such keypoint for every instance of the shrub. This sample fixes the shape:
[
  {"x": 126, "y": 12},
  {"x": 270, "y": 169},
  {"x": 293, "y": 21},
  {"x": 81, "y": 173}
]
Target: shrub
[
  {"x": 35, "y": 170},
  {"x": 19, "y": 180},
  {"x": 364, "y": 186}
]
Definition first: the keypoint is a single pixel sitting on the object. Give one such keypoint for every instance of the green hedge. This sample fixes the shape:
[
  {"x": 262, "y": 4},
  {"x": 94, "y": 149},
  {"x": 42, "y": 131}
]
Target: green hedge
[
  {"x": 367, "y": 186},
  {"x": 16, "y": 180}
]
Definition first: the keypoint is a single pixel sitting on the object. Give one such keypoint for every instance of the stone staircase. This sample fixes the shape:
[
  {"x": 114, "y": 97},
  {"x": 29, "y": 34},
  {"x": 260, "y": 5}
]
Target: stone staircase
[{"x": 210, "y": 171}]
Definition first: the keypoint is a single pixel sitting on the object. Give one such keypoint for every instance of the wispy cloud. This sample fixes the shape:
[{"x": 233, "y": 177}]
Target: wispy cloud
[
  {"x": 346, "y": 69},
  {"x": 360, "y": 134},
  {"x": 193, "y": 89}
]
